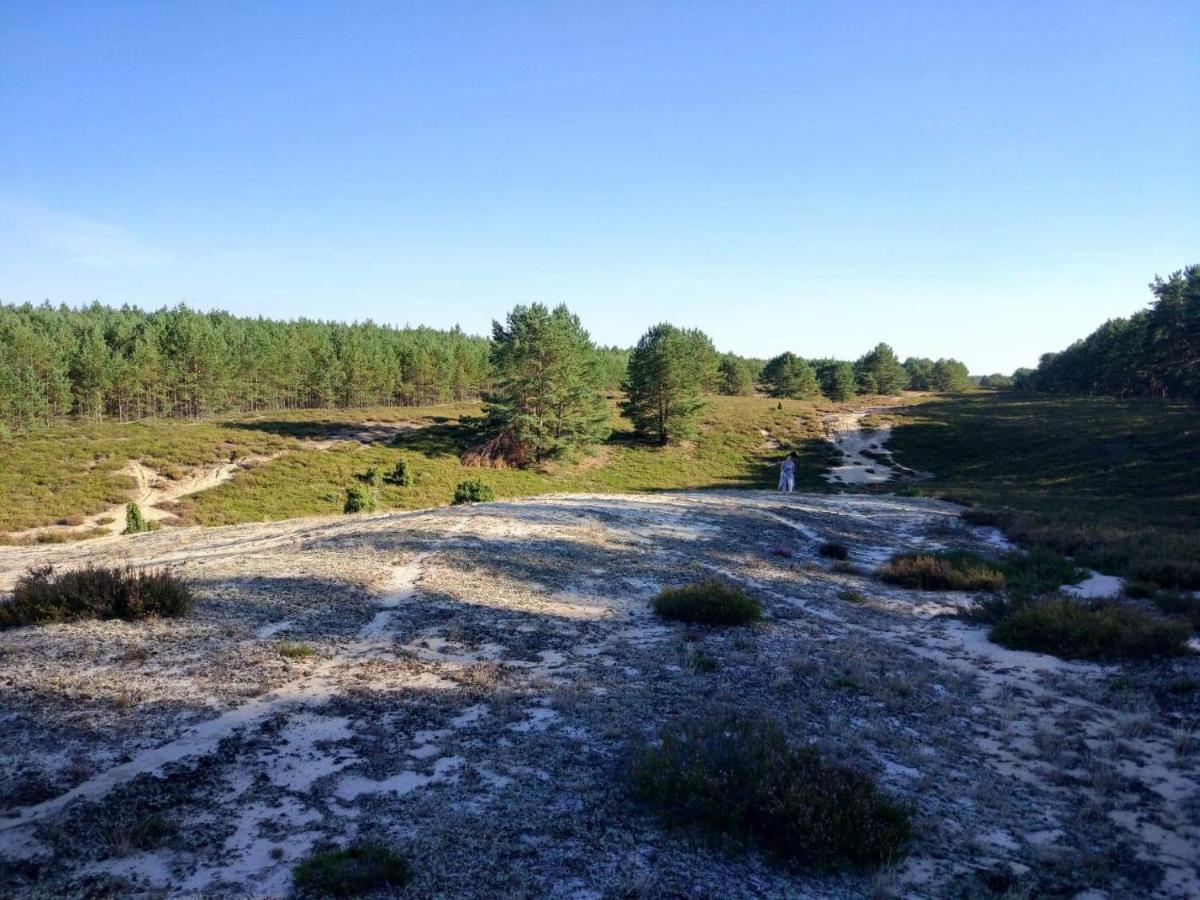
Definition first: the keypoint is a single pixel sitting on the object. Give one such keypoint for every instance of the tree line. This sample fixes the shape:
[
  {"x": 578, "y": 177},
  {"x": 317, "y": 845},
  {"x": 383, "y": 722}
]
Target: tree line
[
  {"x": 100, "y": 362},
  {"x": 1154, "y": 352}
]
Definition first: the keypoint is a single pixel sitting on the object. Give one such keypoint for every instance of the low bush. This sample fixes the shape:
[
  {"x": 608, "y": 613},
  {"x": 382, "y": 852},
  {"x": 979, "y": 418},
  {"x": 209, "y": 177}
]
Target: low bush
[
  {"x": 401, "y": 475},
  {"x": 370, "y": 477},
  {"x": 360, "y": 498},
  {"x": 954, "y": 570},
  {"x": 1076, "y": 629},
  {"x": 135, "y": 522},
  {"x": 352, "y": 871},
  {"x": 42, "y": 596},
  {"x": 735, "y": 774},
  {"x": 834, "y": 550},
  {"x": 708, "y": 602},
  {"x": 473, "y": 490}
]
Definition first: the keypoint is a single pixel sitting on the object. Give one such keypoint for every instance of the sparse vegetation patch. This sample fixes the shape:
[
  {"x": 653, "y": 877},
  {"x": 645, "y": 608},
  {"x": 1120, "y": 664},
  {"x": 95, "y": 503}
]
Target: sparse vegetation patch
[
  {"x": 43, "y": 596},
  {"x": 834, "y": 550},
  {"x": 708, "y": 602},
  {"x": 360, "y": 498},
  {"x": 736, "y": 775}
]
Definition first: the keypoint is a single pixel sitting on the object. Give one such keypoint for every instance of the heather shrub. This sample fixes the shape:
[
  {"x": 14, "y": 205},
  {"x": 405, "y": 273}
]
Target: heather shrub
[
  {"x": 955, "y": 570},
  {"x": 1076, "y": 629},
  {"x": 352, "y": 871},
  {"x": 42, "y": 596},
  {"x": 736, "y": 775},
  {"x": 708, "y": 602}
]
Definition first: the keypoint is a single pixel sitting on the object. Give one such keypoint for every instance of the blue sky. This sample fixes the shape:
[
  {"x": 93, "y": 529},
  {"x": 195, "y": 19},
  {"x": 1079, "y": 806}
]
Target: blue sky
[{"x": 988, "y": 180}]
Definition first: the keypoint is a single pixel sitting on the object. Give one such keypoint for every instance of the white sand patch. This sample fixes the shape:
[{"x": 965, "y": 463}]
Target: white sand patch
[
  {"x": 1096, "y": 587},
  {"x": 444, "y": 770}
]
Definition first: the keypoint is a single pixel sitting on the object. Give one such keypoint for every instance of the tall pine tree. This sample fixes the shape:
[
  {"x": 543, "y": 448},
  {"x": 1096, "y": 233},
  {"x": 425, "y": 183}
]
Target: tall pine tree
[{"x": 669, "y": 370}]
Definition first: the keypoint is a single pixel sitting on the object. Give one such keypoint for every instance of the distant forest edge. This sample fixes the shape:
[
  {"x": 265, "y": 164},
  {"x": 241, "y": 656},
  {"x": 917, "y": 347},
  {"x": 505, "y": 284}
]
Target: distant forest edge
[
  {"x": 127, "y": 364},
  {"x": 1155, "y": 352}
]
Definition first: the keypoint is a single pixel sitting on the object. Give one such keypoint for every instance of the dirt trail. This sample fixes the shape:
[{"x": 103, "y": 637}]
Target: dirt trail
[{"x": 480, "y": 674}]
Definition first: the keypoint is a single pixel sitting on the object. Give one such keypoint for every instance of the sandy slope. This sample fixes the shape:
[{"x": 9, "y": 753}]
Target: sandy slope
[{"x": 482, "y": 674}]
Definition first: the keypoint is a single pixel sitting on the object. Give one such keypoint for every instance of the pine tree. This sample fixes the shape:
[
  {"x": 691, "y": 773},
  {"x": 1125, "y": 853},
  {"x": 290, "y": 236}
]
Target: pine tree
[
  {"x": 734, "y": 377},
  {"x": 787, "y": 375},
  {"x": 949, "y": 376},
  {"x": 880, "y": 372},
  {"x": 548, "y": 390},
  {"x": 669, "y": 369},
  {"x": 836, "y": 379}
]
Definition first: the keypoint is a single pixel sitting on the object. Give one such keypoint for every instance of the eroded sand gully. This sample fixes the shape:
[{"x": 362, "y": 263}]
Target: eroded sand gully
[{"x": 481, "y": 675}]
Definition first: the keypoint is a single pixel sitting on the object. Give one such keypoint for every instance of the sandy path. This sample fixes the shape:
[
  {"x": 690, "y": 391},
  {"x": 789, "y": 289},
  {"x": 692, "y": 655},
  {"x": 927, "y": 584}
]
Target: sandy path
[
  {"x": 480, "y": 675},
  {"x": 865, "y": 457}
]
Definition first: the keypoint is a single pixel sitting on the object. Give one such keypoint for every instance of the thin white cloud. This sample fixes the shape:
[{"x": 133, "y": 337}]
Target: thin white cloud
[{"x": 84, "y": 241}]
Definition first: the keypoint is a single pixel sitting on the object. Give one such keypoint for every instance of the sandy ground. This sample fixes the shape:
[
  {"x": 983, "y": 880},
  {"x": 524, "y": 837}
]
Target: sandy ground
[
  {"x": 482, "y": 675},
  {"x": 865, "y": 458}
]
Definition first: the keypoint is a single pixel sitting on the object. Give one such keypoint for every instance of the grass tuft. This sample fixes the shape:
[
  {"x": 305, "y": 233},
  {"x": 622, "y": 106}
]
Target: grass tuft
[
  {"x": 707, "y": 602},
  {"x": 352, "y": 871},
  {"x": 42, "y": 596},
  {"x": 735, "y": 774}
]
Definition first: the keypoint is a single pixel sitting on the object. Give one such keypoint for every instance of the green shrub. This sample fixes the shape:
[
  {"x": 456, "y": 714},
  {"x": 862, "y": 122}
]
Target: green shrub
[
  {"x": 1075, "y": 629},
  {"x": 401, "y": 475},
  {"x": 954, "y": 570},
  {"x": 352, "y": 871},
  {"x": 834, "y": 550},
  {"x": 709, "y": 602},
  {"x": 42, "y": 596},
  {"x": 135, "y": 522},
  {"x": 360, "y": 499},
  {"x": 474, "y": 490},
  {"x": 370, "y": 477},
  {"x": 1139, "y": 590},
  {"x": 735, "y": 774}
]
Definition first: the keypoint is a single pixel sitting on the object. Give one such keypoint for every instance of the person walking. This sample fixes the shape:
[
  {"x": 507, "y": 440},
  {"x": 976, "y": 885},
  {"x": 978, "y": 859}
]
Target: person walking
[{"x": 787, "y": 474}]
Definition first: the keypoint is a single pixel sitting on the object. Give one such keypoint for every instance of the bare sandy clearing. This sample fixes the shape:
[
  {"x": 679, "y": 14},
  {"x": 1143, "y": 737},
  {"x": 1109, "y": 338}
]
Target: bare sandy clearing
[
  {"x": 481, "y": 674},
  {"x": 865, "y": 457}
]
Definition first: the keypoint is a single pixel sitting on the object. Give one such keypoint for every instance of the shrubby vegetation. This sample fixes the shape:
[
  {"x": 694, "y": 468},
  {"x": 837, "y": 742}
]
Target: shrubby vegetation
[
  {"x": 708, "y": 602},
  {"x": 1079, "y": 629},
  {"x": 1155, "y": 352},
  {"x": 135, "y": 522},
  {"x": 737, "y": 775},
  {"x": 669, "y": 370},
  {"x": 42, "y": 596},
  {"x": 474, "y": 490},
  {"x": 352, "y": 871},
  {"x": 954, "y": 570},
  {"x": 360, "y": 498}
]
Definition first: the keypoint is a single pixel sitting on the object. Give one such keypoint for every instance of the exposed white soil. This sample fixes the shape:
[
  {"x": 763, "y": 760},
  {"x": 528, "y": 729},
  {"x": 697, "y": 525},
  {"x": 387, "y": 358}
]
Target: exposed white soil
[
  {"x": 152, "y": 490},
  {"x": 481, "y": 676},
  {"x": 864, "y": 457},
  {"x": 1096, "y": 586}
]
